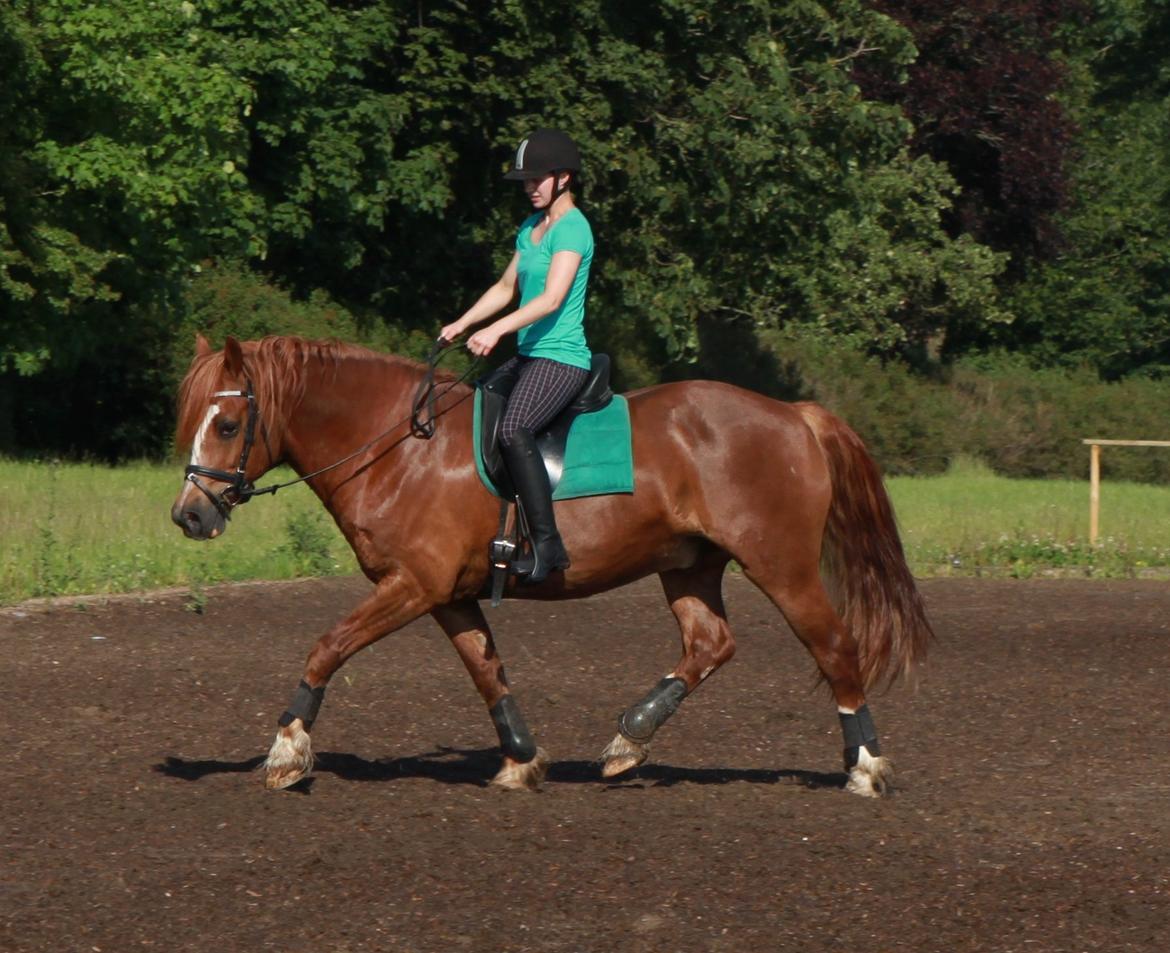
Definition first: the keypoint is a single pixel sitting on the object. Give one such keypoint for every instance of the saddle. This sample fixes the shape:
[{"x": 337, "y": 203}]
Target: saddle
[{"x": 595, "y": 394}]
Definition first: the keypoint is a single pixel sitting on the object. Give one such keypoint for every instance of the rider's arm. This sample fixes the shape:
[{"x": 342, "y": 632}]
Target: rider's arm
[
  {"x": 491, "y": 302},
  {"x": 562, "y": 270}
]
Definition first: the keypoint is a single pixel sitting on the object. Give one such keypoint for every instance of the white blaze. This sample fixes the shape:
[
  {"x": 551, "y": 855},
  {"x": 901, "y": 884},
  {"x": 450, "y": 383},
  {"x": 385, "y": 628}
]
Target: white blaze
[{"x": 197, "y": 446}]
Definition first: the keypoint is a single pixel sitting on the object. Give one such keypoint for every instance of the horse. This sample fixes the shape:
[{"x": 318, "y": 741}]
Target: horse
[{"x": 786, "y": 490}]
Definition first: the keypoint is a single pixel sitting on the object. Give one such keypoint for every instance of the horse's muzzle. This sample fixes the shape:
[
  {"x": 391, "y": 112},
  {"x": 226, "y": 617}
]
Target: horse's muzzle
[{"x": 197, "y": 518}]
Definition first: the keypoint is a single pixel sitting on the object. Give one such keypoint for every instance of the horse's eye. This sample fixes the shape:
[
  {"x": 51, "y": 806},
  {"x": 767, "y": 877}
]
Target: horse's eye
[{"x": 228, "y": 429}]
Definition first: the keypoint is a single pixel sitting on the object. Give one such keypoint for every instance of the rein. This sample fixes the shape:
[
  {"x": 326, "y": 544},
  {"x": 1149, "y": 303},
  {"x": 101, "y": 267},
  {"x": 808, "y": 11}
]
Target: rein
[{"x": 240, "y": 489}]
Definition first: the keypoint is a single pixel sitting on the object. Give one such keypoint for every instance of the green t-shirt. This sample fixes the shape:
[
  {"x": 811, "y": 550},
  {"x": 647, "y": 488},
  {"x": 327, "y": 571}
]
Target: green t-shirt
[{"x": 559, "y": 336}]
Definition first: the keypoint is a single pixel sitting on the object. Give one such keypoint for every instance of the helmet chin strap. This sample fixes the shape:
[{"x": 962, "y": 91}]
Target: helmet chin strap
[{"x": 558, "y": 189}]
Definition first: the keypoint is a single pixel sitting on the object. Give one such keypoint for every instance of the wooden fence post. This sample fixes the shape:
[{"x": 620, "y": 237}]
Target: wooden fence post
[
  {"x": 1095, "y": 445},
  {"x": 1094, "y": 491}
]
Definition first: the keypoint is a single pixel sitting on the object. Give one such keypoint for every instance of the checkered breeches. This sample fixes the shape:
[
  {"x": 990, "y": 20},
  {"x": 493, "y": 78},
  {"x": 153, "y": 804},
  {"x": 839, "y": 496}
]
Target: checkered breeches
[{"x": 543, "y": 389}]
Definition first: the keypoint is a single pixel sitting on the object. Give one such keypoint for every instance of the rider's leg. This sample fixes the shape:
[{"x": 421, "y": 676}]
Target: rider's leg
[
  {"x": 544, "y": 389},
  {"x": 530, "y": 480}
]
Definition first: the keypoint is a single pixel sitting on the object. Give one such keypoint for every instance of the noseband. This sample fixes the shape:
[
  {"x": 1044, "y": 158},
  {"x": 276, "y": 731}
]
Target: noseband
[{"x": 239, "y": 488}]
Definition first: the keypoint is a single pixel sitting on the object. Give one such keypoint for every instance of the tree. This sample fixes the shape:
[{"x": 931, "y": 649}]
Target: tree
[
  {"x": 47, "y": 274},
  {"x": 1104, "y": 300},
  {"x": 731, "y": 161},
  {"x": 128, "y": 152},
  {"x": 122, "y": 146},
  {"x": 735, "y": 171},
  {"x": 982, "y": 97}
]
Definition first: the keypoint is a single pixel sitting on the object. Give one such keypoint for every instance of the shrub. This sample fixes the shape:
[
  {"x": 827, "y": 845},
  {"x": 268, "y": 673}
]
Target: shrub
[
  {"x": 230, "y": 299},
  {"x": 309, "y": 544},
  {"x": 1031, "y": 423},
  {"x": 902, "y": 418},
  {"x": 1021, "y": 421}
]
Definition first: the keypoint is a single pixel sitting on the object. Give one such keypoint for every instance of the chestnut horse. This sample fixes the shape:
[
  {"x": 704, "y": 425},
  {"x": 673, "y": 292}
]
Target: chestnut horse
[{"x": 786, "y": 490}]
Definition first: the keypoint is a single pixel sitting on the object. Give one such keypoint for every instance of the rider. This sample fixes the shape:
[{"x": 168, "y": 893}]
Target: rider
[{"x": 550, "y": 270}]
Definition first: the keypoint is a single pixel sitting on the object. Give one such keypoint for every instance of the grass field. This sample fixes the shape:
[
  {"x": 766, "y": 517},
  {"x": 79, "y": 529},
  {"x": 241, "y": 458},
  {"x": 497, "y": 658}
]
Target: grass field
[
  {"x": 71, "y": 529},
  {"x": 972, "y": 522}
]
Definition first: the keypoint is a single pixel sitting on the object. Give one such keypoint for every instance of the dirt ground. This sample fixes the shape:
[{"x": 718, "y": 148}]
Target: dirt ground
[{"x": 1033, "y": 809}]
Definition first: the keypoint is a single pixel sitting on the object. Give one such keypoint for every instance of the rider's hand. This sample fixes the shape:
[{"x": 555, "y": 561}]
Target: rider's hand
[
  {"x": 483, "y": 342},
  {"x": 451, "y": 332}
]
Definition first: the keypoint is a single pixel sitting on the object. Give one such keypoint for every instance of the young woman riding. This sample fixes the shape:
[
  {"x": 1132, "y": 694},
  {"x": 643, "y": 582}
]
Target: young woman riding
[{"x": 550, "y": 271}]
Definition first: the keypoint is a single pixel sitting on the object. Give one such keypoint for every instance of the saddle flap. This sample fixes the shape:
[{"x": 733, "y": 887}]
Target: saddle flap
[{"x": 492, "y": 404}]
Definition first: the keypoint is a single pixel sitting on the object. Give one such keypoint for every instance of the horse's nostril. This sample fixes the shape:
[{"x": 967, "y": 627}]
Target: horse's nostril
[{"x": 189, "y": 520}]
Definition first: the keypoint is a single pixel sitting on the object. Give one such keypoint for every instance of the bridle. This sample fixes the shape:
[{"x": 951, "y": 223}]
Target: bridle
[{"x": 240, "y": 489}]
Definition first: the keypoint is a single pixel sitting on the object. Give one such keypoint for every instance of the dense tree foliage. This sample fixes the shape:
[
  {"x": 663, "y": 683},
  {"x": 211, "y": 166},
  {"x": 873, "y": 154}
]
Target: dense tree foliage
[
  {"x": 1104, "y": 301},
  {"x": 903, "y": 178},
  {"x": 982, "y": 97}
]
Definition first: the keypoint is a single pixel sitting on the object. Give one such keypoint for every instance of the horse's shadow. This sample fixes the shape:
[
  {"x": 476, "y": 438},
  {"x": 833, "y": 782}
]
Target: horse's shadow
[{"x": 476, "y": 767}]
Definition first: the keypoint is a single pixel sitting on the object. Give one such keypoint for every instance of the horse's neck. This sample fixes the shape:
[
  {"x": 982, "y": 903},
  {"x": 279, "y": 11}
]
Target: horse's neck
[{"x": 346, "y": 404}]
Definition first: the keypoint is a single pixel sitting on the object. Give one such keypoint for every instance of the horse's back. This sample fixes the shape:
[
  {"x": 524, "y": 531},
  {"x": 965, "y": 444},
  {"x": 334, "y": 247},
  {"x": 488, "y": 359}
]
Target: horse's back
[
  {"x": 703, "y": 414},
  {"x": 736, "y": 455}
]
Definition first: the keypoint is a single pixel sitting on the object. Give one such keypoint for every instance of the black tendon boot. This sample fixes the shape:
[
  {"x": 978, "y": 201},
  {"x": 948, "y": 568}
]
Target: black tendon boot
[{"x": 532, "y": 489}]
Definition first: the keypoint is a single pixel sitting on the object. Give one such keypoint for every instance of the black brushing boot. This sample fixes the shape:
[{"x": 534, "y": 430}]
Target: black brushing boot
[{"x": 529, "y": 477}]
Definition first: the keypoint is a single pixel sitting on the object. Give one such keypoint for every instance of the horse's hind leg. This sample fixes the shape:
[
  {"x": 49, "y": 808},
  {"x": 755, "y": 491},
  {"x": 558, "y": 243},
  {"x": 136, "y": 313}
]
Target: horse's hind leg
[
  {"x": 805, "y": 604},
  {"x": 696, "y": 600},
  {"x": 524, "y": 764}
]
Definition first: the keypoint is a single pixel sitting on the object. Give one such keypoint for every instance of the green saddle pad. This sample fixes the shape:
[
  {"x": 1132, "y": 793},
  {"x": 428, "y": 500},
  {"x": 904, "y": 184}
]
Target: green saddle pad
[{"x": 599, "y": 456}]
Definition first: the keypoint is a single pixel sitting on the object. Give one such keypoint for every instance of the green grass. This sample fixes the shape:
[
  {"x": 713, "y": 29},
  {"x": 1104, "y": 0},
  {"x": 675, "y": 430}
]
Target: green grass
[
  {"x": 72, "y": 529},
  {"x": 972, "y": 522}
]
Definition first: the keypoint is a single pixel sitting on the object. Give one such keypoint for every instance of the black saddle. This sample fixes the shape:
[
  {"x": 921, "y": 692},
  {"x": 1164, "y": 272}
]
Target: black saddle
[{"x": 594, "y": 394}]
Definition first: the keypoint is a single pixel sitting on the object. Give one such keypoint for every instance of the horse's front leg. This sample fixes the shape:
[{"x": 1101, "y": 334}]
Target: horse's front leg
[
  {"x": 524, "y": 764},
  {"x": 395, "y": 601}
]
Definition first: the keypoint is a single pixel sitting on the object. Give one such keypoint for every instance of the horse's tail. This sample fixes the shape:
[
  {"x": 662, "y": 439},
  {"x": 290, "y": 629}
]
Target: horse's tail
[{"x": 862, "y": 557}]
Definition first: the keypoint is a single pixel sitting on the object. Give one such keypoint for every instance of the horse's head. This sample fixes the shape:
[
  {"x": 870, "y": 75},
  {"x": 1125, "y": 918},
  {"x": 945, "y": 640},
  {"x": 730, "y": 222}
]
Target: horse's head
[{"x": 220, "y": 418}]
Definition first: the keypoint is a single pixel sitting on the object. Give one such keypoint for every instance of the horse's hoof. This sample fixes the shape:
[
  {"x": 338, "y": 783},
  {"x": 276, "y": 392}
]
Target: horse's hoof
[
  {"x": 517, "y": 776},
  {"x": 622, "y": 755},
  {"x": 290, "y": 759},
  {"x": 871, "y": 777},
  {"x": 278, "y": 780}
]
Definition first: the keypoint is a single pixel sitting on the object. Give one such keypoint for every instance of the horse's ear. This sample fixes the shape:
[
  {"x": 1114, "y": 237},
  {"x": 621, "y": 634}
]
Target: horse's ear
[
  {"x": 233, "y": 357},
  {"x": 202, "y": 347}
]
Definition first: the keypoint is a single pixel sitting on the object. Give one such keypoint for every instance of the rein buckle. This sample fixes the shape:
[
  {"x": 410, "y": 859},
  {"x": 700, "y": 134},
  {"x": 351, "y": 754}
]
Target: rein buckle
[{"x": 501, "y": 552}]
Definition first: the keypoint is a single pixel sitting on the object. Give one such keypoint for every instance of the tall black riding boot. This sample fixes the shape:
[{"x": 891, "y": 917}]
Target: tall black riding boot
[{"x": 530, "y": 479}]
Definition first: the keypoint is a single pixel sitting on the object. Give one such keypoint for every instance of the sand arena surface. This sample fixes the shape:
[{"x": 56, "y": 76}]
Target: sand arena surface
[{"x": 1033, "y": 810}]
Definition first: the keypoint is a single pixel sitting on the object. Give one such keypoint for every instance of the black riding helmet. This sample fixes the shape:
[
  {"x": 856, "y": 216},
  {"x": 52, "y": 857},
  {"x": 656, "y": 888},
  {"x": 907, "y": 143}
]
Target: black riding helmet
[{"x": 545, "y": 151}]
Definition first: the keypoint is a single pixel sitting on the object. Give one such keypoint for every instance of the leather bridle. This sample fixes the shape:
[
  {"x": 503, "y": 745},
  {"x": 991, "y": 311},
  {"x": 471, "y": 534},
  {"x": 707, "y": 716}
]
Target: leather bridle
[{"x": 239, "y": 488}]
